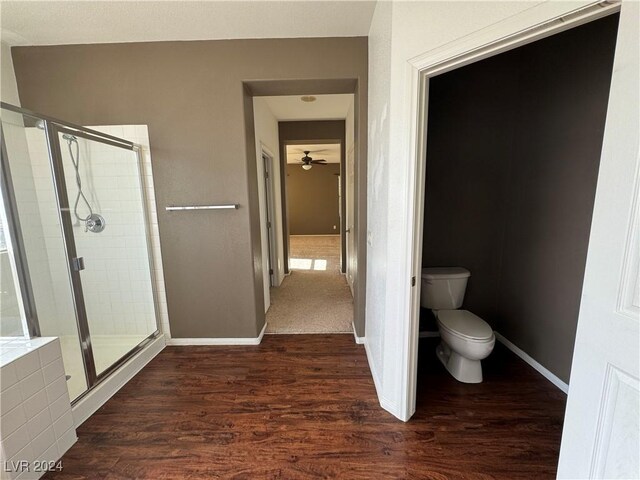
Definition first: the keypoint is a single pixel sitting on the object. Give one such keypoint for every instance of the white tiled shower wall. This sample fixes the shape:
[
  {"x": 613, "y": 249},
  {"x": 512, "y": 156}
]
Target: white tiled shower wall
[
  {"x": 139, "y": 134},
  {"x": 116, "y": 283},
  {"x": 36, "y": 423}
]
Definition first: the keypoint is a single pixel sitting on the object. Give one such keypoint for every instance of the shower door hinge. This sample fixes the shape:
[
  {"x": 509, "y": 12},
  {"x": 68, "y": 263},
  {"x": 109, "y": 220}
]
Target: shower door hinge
[
  {"x": 413, "y": 281},
  {"x": 268, "y": 224},
  {"x": 271, "y": 271},
  {"x": 77, "y": 263}
]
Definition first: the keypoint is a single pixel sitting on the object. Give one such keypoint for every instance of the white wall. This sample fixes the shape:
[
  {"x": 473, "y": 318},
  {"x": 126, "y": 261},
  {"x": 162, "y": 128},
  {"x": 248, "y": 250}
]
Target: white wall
[
  {"x": 400, "y": 32},
  {"x": 266, "y": 130},
  {"x": 377, "y": 191},
  {"x": 8, "y": 85}
]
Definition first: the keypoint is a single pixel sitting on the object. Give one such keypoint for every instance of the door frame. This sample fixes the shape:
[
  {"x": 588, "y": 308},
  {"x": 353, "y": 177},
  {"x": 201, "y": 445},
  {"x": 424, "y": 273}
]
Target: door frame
[
  {"x": 535, "y": 24},
  {"x": 270, "y": 209},
  {"x": 285, "y": 199},
  {"x": 349, "y": 214}
]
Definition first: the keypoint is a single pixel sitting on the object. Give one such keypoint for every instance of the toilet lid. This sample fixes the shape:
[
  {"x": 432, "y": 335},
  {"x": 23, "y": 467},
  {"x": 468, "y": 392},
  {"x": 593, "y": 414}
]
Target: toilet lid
[
  {"x": 465, "y": 323},
  {"x": 444, "y": 273}
]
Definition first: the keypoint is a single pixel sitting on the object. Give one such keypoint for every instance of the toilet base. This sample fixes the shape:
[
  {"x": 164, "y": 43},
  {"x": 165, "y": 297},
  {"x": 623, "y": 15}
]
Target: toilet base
[{"x": 461, "y": 368}]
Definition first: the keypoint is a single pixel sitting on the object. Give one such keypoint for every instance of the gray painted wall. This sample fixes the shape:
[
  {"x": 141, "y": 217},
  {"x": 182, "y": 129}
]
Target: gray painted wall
[
  {"x": 513, "y": 152},
  {"x": 196, "y": 99},
  {"x": 312, "y": 197}
]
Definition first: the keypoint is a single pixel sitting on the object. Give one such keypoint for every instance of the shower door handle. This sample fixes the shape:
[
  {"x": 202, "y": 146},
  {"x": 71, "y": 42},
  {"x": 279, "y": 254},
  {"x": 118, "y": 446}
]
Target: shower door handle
[{"x": 78, "y": 263}]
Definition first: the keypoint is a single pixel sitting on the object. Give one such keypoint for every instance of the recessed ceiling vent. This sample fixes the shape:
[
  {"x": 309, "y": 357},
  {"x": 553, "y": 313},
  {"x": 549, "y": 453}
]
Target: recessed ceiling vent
[{"x": 308, "y": 98}]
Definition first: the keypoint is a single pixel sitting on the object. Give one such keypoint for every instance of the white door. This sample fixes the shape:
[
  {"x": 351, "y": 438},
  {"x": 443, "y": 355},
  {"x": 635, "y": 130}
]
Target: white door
[
  {"x": 349, "y": 217},
  {"x": 601, "y": 429},
  {"x": 270, "y": 214}
]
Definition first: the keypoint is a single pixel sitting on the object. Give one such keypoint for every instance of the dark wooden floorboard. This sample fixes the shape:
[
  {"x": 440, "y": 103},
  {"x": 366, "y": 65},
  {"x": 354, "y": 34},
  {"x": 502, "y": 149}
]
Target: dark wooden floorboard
[{"x": 305, "y": 407}]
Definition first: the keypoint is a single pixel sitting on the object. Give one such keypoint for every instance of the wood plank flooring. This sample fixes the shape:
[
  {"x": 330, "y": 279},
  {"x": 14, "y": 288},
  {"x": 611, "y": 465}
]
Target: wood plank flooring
[{"x": 304, "y": 407}]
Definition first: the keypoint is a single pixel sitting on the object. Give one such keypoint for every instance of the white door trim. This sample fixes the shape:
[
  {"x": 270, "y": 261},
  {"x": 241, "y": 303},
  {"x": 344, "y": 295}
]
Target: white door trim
[
  {"x": 270, "y": 209},
  {"x": 546, "y": 19}
]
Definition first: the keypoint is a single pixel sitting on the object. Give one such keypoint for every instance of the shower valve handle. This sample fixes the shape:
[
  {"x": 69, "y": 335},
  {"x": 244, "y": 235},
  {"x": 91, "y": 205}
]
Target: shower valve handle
[{"x": 94, "y": 223}]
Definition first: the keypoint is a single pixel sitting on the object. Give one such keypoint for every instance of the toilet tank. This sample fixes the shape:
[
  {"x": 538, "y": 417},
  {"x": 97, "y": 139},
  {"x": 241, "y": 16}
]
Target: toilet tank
[{"x": 443, "y": 287}]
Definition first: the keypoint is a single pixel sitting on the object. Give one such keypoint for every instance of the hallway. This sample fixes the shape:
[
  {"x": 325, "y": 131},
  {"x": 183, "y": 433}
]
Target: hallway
[{"x": 315, "y": 297}]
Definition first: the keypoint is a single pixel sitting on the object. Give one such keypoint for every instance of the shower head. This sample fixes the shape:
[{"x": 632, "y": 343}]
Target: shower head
[
  {"x": 40, "y": 124},
  {"x": 69, "y": 138}
]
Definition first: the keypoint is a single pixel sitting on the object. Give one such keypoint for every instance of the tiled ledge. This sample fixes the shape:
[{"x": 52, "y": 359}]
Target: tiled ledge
[
  {"x": 12, "y": 348},
  {"x": 36, "y": 422}
]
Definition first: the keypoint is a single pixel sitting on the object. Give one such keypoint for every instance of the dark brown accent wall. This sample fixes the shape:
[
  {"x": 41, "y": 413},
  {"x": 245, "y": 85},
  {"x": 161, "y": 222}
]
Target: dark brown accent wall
[
  {"x": 513, "y": 153},
  {"x": 312, "y": 197},
  {"x": 195, "y": 98}
]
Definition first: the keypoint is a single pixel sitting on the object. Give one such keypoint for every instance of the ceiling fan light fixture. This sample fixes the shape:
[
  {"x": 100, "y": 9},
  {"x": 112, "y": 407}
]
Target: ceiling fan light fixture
[
  {"x": 307, "y": 167},
  {"x": 308, "y": 98}
]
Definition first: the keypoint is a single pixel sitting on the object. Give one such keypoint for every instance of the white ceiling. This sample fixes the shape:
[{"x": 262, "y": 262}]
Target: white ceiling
[
  {"x": 329, "y": 152},
  {"x": 326, "y": 107},
  {"x": 75, "y": 22}
]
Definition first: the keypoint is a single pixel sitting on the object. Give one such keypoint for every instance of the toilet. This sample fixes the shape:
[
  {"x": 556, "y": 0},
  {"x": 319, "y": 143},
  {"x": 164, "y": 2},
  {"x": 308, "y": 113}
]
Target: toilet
[{"x": 466, "y": 339}]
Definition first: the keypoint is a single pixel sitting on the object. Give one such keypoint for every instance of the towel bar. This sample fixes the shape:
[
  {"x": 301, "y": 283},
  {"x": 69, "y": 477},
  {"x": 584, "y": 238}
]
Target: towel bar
[{"x": 230, "y": 206}]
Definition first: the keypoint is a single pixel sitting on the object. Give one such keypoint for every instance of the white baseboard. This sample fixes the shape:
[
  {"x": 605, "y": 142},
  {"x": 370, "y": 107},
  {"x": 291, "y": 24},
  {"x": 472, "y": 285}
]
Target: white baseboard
[
  {"x": 429, "y": 335},
  {"x": 384, "y": 403},
  {"x": 536, "y": 366},
  {"x": 180, "y": 342},
  {"x": 359, "y": 340},
  {"x": 97, "y": 397}
]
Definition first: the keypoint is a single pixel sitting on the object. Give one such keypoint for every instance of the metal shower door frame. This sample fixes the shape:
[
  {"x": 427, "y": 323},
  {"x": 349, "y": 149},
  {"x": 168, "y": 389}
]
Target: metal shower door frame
[
  {"x": 14, "y": 232},
  {"x": 53, "y": 127},
  {"x": 53, "y": 137},
  {"x": 82, "y": 321}
]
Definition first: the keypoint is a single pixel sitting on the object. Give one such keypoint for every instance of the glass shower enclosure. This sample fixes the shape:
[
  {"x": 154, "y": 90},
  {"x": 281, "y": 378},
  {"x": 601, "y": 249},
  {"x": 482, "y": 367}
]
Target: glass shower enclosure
[{"x": 74, "y": 231}]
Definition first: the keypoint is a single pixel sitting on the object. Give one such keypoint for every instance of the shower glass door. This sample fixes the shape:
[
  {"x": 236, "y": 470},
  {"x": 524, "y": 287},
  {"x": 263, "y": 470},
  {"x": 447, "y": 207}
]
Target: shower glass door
[
  {"x": 33, "y": 229},
  {"x": 102, "y": 202},
  {"x": 77, "y": 263}
]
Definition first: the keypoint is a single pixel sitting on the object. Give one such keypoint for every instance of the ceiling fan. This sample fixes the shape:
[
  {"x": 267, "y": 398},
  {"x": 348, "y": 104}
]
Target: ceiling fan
[{"x": 308, "y": 162}]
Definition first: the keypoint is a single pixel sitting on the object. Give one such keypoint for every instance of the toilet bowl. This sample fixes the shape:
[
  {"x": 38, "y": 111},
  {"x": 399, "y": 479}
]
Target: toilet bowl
[{"x": 466, "y": 339}]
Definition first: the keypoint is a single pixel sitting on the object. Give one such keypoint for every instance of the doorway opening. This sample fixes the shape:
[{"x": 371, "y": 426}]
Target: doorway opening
[
  {"x": 305, "y": 212},
  {"x": 313, "y": 189},
  {"x": 505, "y": 189}
]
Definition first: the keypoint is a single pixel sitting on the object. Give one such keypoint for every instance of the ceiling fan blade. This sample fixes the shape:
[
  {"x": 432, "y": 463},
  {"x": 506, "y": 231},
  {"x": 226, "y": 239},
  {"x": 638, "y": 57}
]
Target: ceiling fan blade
[
  {"x": 302, "y": 153},
  {"x": 320, "y": 161}
]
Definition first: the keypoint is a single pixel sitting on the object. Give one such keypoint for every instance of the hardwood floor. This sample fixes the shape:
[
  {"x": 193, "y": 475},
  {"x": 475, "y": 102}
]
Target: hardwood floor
[{"x": 304, "y": 407}]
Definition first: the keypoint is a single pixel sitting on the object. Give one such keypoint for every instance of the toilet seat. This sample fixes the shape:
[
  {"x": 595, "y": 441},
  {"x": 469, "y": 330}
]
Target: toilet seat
[{"x": 466, "y": 325}]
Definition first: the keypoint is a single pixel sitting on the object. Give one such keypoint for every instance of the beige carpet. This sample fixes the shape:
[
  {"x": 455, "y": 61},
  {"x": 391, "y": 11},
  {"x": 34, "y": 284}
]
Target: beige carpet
[{"x": 315, "y": 297}]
